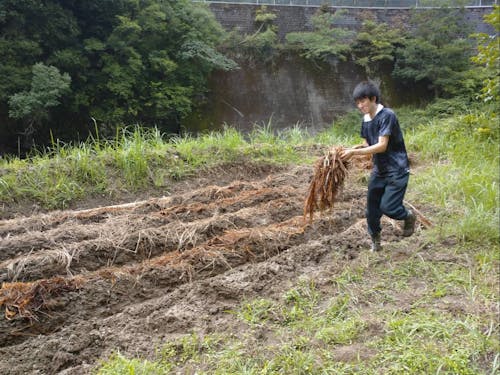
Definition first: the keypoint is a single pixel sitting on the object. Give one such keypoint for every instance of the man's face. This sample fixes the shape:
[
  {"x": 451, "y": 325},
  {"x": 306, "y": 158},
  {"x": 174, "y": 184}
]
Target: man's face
[{"x": 367, "y": 105}]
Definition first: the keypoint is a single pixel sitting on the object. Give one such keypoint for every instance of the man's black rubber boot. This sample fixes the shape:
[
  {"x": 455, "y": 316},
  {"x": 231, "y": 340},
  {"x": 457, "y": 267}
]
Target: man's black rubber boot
[
  {"x": 409, "y": 224},
  {"x": 376, "y": 244}
]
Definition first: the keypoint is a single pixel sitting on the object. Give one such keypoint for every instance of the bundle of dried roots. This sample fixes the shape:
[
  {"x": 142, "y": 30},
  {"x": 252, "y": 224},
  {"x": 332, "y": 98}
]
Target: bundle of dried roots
[{"x": 330, "y": 172}]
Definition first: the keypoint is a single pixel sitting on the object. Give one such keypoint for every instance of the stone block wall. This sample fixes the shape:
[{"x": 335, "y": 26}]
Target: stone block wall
[{"x": 297, "y": 18}]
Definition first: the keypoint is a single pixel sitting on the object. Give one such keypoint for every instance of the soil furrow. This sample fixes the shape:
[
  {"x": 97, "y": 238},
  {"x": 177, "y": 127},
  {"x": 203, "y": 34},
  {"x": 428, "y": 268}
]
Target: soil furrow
[
  {"x": 132, "y": 246},
  {"x": 113, "y": 288},
  {"x": 69, "y": 232}
]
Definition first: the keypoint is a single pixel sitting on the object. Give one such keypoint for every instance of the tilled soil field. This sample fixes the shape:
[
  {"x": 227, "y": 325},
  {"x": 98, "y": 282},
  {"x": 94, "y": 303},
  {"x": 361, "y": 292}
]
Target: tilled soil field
[{"x": 78, "y": 285}]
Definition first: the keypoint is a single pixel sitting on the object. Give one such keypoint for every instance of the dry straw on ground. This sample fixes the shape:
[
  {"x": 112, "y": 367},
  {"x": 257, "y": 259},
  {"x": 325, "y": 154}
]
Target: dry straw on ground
[
  {"x": 24, "y": 300},
  {"x": 330, "y": 172}
]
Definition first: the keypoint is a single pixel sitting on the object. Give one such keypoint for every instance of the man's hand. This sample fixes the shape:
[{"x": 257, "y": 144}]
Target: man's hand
[{"x": 346, "y": 154}]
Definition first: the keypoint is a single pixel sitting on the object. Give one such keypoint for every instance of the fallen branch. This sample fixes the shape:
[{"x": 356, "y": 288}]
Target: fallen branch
[{"x": 425, "y": 222}]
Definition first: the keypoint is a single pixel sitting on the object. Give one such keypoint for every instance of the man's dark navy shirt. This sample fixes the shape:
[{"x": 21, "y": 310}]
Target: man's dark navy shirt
[{"x": 395, "y": 159}]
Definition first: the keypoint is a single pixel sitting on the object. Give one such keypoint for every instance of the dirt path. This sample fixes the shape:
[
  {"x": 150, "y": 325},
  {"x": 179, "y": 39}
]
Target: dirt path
[{"x": 129, "y": 277}]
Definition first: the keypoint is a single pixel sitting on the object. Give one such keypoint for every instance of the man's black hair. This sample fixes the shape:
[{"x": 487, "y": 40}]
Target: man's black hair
[{"x": 366, "y": 89}]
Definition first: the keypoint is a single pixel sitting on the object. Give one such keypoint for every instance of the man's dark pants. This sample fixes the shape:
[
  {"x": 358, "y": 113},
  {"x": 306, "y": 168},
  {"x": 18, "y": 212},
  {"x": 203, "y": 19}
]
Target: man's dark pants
[{"x": 385, "y": 197}]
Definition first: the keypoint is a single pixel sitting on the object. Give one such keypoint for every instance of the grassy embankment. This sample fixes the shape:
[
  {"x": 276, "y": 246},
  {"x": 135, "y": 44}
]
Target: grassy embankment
[
  {"x": 457, "y": 175},
  {"x": 137, "y": 160}
]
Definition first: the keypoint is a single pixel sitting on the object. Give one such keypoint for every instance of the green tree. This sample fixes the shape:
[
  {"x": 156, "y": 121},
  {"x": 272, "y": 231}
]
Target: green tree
[
  {"x": 375, "y": 45},
  {"x": 262, "y": 45},
  {"x": 33, "y": 106},
  {"x": 156, "y": 61},
  {"x": 488, "y": 57},
  {"x": 438, "y": 52},
  {"x": 325, "y": 41}
]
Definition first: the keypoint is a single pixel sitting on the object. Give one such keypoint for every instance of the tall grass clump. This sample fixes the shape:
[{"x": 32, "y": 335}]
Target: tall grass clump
[
  {"x": 461, "y": 174},
  {"x": 133, "y": 152},
  {"x": 210, "y": 148},
  {"x": 53, "y": 178},
  {"x": 78, "y": 160},
  {"x": 64, "y": 173},
  {"x": 276, "y": 146}
]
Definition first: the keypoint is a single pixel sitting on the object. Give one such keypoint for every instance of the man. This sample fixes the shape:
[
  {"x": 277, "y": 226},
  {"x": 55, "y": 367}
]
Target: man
[{"x": 389, "y": 178}]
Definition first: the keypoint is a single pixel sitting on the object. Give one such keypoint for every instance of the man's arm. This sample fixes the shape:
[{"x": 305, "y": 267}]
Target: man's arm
[
  {"x": 364, "y": 149},
  {"x": 361, "y": 145}
]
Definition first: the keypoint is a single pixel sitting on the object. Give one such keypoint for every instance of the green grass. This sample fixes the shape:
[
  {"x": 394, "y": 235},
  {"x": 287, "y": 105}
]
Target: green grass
[
  {"x": 118, "y": 364},
  {"x": 461, "y": 175},
  {"x": 429, "y": 343}
]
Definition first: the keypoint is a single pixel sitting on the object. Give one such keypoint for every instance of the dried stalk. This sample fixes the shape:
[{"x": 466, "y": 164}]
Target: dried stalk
[{"x": 330, "y": 172}]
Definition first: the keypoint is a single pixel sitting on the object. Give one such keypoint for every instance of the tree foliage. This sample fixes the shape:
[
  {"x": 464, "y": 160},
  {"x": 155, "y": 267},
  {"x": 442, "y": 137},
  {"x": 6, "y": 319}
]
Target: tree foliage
[
  {"x": 47, "y": 86},
  {"x": 263, "y": 44},
  {"x": 375, "y": 44},
  {"x": 129, "y": 61},
  {"x": 432, "y": 51},
  {"x": 65, "y": 62},
  {"x": 437, "y": 51},
  {"x": 326, "y": 40},
  {"x": 488, "y": 57}
]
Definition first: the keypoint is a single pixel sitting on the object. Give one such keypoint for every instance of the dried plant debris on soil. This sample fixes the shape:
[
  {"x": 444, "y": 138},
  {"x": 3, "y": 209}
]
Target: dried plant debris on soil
[{"x": 78, "y": 285}]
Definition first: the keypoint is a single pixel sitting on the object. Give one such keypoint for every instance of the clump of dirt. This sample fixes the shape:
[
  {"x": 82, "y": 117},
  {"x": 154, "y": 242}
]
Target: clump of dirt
[{"x": 78, "y": 285}]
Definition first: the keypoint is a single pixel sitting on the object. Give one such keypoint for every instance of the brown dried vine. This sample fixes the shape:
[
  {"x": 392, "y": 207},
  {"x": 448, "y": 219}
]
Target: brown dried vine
[{"x": 330, "y": 172}]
